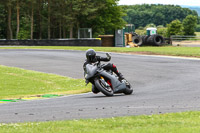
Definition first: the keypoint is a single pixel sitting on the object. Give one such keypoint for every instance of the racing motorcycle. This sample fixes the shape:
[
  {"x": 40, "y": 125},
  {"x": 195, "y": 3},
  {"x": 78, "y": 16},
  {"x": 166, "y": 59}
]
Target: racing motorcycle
[{"x": 106, "y": 81}]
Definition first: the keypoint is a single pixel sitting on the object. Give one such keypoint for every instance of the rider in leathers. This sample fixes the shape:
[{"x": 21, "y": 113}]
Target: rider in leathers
[{"x": 92, "y": 58}]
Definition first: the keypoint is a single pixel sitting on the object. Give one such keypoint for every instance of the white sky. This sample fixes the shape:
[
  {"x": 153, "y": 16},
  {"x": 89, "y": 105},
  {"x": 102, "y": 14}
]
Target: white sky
[{"x": 174, "y": 2}]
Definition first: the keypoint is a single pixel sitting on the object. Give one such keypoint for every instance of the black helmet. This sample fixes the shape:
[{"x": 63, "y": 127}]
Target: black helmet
[{"x": 91, "y": 55}]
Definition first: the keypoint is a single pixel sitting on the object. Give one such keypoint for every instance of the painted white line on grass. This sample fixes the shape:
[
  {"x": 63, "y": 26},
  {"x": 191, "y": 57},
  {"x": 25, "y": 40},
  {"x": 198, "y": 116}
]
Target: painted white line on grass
[
  {"x": 173, "y": 57},
  {"x": 157, "y": 56}
]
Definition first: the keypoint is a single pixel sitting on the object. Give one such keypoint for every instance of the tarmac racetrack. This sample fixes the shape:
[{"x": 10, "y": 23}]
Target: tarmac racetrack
[{"x": 161, "y": 84}]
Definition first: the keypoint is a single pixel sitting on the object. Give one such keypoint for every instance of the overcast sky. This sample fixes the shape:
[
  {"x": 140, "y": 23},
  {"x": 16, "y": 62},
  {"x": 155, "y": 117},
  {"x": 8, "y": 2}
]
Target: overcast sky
[{"x": 174, "y": 2}]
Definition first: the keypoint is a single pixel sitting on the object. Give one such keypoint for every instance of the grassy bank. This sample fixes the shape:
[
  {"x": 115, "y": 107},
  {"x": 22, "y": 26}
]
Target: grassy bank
[
  {"x": 15, "y": 83},
  {"x": 173, "y": 51},
  {"x": 187, "y": 122}
]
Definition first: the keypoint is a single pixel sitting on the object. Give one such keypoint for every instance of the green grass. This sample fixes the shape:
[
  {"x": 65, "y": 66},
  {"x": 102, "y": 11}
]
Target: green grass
[
  {"x": 197, "y": 33},
  {"x": 173, "y": 51},
  {"x": 16, "y": 83},
  {"x": 187, "y": 122}
]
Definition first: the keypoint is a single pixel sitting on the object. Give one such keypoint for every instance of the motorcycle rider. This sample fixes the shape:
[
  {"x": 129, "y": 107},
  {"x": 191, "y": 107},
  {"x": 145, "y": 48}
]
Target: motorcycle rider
[{"x": 92, "y": 58}]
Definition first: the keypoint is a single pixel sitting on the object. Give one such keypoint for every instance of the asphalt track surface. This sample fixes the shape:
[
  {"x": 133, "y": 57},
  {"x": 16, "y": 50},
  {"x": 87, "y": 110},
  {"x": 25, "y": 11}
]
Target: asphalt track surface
[{"x": 161, "y": 85}]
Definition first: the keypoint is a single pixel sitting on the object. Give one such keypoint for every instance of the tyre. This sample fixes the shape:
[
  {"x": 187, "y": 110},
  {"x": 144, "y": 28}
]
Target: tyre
[
  {"x": 155, "y": 40},
  {"x": 106, "y": 90},
  {"x": 144, "y": 40},
  {"x": 129, "y": 89},
  {"x": 158, "y": 40},
  {"x": 137, "y": 40}
]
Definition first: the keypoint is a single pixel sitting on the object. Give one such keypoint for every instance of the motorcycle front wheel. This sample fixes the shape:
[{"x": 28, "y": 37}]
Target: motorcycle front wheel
[{"x": 106, "y": 90}]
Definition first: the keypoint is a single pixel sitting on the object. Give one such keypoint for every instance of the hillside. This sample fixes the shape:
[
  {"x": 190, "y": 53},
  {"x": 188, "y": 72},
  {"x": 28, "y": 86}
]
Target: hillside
[
  {"x": 142, "y": 15},
  {"x": 196, "y": 8}
]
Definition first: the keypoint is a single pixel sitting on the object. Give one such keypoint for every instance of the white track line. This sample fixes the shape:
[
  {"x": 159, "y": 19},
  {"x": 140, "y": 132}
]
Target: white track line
[{"x": 158, "y": 56}]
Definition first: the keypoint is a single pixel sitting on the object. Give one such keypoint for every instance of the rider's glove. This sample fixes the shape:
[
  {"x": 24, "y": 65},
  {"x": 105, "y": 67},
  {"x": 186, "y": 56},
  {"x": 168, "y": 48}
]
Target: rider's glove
[{"x": 108, "y": 56}]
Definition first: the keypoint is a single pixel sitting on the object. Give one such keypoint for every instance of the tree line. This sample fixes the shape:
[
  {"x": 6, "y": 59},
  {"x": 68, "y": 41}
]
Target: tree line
[
  {"x": 186, "y": 27},
  {"x": 196, "y": 8},
  {"x": 49, "y": 19},
  {"x": 142, "y": 15}
]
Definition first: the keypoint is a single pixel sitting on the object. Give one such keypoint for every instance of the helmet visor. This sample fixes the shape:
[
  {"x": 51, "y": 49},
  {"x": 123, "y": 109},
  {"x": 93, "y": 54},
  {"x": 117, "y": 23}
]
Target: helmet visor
[{"x": 91, "y": 58}]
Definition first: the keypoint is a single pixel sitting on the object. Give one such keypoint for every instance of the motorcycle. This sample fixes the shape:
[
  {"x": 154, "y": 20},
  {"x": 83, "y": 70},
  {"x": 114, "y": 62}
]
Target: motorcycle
[{"x": 106, "y": 81}]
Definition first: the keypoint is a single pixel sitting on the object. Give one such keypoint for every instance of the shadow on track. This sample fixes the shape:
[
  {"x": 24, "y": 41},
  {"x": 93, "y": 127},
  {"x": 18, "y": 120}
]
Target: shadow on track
[{"x": 102, "y": 96}]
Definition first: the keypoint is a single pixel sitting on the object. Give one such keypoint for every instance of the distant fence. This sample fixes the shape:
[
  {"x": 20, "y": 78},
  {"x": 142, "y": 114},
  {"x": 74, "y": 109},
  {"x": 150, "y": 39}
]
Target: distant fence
[
  {"x": 53, "y": 42},
  {"x": 168, "y": 40},
  {"x": 185, "y": 40}
]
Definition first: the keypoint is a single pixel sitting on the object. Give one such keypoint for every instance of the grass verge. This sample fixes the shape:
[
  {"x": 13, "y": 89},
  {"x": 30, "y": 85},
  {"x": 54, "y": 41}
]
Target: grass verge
[
  {"x": 16, "y": 83},
  {"x": 168, "y": 50},
  {"x": 186, "y": 122}
]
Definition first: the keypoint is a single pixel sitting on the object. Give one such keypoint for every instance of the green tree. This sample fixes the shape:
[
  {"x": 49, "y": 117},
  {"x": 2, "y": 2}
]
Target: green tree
[
  {"x": 189, "y": 25},
  {"x": 162, "y": 31},
  {"x": 198, "y": 28},
  {"x": 108, "y": 17},
  {"x": 174, "y": 28},
  {"x": 79, "y": 10},
  {"x": 2, "y": 22},
  {"x": 9, "y": 10},
  {"x": 198, "y": 20},
  {"x": 25, "y": 32},
  {"x": 18, "y": 16},
  {"x": 150, "y": 25},
  {"x": 58, "y": 18}
]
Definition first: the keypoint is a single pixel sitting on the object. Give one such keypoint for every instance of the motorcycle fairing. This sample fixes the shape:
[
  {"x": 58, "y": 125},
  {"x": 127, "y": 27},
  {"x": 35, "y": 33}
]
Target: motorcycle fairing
[
  {"x": 116, "y": 84},
  {"x": 91, "y": 70}
]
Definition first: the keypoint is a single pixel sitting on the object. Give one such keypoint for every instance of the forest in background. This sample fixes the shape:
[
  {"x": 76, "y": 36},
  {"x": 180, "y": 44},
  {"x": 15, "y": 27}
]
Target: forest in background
[
  {"x": 50, "y": 19},
  {"x": 142, "y": 15},
  {"x": 53, "y": 19},
  {"x": 196, "y": 8}
]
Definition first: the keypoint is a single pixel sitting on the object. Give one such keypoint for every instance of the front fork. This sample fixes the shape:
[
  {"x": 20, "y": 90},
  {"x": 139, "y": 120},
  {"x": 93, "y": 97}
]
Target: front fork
[{"x": 104, "y": 81}]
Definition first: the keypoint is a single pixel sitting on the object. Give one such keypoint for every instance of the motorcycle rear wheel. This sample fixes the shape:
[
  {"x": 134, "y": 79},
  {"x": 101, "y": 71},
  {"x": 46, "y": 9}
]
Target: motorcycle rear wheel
[{"x": 104, "y": 89}]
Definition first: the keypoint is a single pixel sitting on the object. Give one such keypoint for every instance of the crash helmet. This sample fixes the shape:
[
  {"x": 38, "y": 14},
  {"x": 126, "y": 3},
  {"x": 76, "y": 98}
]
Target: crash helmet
[{"x": 91, "y": 55}]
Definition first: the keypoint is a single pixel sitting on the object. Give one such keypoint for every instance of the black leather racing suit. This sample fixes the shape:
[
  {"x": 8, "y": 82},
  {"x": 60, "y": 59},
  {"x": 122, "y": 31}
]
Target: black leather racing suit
[{"x": 108, "y": 66}]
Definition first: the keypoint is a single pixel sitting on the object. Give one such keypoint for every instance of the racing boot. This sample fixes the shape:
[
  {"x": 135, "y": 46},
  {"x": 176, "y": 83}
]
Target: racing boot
[{"x": 121, "y": 77}]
